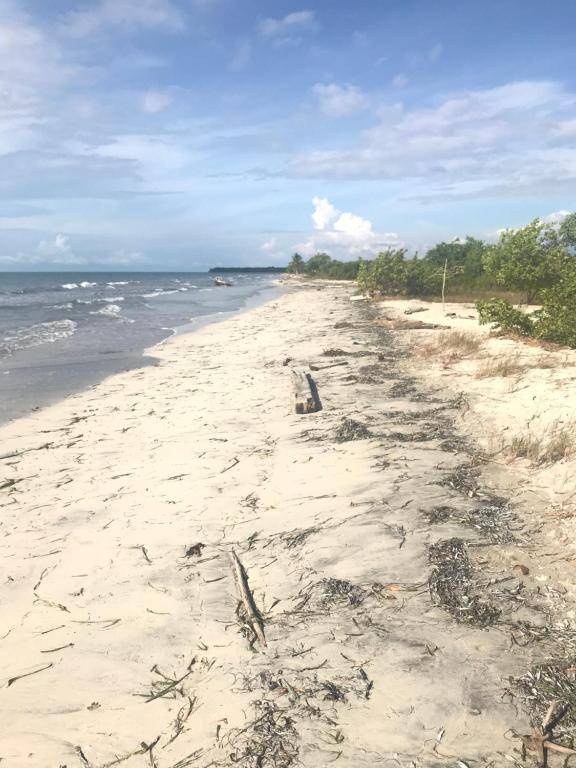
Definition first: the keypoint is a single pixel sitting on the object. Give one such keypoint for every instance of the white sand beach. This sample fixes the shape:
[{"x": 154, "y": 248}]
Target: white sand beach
[{"x": 122, "y": 640}]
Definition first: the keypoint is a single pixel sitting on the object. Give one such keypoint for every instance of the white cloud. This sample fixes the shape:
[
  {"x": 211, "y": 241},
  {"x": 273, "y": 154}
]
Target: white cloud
[
  {"x": 31, "y": 67},
  {"x": 339, "y": 100},
  {"x": 269, "y": 246},
  {"x": 123, "y": 14},
  {"x": 57, "y": 251},
  {"x": 495, "y": 141},
  {"x": 156, "y": 157},
  {"x": 400, "y": 81},
  {"x": 324, "y": 212},
  {"x": 567, "y": 128},
  {"x": 288, "y": 30},
  {"x": 555, "y": 218},
  {"x": 344, "y": 234},
  {"x": 156, "y": 101}
]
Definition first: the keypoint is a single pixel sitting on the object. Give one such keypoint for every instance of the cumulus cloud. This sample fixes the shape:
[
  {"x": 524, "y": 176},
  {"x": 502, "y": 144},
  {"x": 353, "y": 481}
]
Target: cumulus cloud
[
  {"x": 123, "y": 14},
  {"x": 344, "y": 234},
  {"x": 57, "y": 251},
  {"x": 288, "y": 29},
  {"x": 156, "y": 101},
  {"x": 324, "y": 212},
  {"x": 339, "y": 100},
  {"x": 495, "y": 141}
]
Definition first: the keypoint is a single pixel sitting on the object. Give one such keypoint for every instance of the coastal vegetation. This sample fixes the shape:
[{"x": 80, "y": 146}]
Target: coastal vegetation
[{"x": 532, "y": 265}]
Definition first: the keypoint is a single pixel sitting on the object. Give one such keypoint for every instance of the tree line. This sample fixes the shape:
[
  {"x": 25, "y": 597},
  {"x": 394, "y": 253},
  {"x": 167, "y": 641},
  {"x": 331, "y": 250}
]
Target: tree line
[{"x": 537, "y": 263}]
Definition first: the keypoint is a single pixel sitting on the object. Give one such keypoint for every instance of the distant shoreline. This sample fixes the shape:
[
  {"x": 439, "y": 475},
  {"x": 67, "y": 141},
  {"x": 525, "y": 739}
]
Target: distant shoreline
[{"x": 212, "y": 270}]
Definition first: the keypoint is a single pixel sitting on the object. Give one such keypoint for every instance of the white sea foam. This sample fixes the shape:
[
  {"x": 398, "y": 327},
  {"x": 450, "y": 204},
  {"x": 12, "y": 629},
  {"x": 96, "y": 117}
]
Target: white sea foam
[
  {"x": 112, "y": 299},
  {"x": 84, "y": 284},
  {"x": 161, "y": 292},
  {"x": 36, "y": 335},
  {"x": 111, "y": 310}
]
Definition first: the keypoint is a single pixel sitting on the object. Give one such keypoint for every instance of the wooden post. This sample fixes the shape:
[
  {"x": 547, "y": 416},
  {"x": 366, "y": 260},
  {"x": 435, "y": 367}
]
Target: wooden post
[
  {"x": 444, "y": 287},
  {"x": 305, "y": 393}
]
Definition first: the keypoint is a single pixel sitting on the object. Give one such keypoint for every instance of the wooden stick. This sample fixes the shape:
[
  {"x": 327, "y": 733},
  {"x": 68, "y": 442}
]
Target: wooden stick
[
  {"x": 444, "y": 286},
  {"x": 248, "y": 599},
  {"x": 28, "y": 674},
  {"x": 305, "y": 393}
]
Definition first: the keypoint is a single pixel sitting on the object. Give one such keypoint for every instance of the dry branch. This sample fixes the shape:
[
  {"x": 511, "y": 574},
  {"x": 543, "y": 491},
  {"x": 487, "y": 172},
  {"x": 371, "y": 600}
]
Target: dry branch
[{"x": 248, "y": 599}]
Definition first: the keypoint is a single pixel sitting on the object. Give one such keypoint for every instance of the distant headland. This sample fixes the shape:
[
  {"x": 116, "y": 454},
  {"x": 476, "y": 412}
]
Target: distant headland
[{"x": 247, "y": 269}]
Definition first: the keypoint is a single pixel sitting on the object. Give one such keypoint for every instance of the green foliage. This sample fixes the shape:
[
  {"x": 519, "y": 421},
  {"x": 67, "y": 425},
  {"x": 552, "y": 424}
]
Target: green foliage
[
  {"x": 556, "y": 321},
  {"x": 466, "y": 255},
  {"x": 536, "y": 259},
  {"x": 388, "y": 272},
  {"x": 567, "y": 231},
  {"x": 318, "y": 264},
  {"x": 529, "y": 259},
  {"x": 296, "y": 265},
  {"x": 506, "y": 317}
]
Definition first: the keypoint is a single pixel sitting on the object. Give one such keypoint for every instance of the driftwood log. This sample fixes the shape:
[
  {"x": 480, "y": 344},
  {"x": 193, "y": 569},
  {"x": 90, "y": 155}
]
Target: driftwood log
[
  {"x": 305, "y": 393},
  {"x": 252, "y": 612}
]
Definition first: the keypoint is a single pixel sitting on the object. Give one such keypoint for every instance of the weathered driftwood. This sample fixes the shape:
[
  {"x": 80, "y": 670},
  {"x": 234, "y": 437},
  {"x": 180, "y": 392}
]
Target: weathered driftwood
[
  {"x": 252, "y": 612},
  {"x": 305, "y": 393}
]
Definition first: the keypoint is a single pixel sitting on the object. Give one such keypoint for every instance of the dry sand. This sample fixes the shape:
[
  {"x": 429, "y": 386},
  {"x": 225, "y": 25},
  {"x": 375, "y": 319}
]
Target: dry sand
[{"x": 395, "y": 615}]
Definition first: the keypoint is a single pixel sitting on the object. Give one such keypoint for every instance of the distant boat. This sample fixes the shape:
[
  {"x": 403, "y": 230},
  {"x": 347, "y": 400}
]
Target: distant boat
[{"x": 221, "y": 283}]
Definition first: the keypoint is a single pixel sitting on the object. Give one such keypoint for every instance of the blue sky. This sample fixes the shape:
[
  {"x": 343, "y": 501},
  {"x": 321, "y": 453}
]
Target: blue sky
[{"x": 177, "y": 134}]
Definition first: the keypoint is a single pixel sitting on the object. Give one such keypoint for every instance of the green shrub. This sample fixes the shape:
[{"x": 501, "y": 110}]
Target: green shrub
[
  {"x": 506, "y": 317},
  {"x": 556, "y": 321}
]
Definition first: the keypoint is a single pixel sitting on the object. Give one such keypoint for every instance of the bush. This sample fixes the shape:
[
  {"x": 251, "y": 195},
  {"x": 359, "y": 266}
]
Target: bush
[
  {"x": 556, "y": 321},
  {"x": 528, "y": 259},
  {"x": 506, "y": 317}
]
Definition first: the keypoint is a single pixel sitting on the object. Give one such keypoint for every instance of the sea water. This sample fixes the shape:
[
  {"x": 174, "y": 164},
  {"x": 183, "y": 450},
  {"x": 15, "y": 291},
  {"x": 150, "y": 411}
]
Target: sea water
[{"x": 62, "y": 332}]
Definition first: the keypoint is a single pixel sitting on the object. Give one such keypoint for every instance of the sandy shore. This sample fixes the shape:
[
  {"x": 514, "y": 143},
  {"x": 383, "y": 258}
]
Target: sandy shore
[{"x": 398, "y": 620}]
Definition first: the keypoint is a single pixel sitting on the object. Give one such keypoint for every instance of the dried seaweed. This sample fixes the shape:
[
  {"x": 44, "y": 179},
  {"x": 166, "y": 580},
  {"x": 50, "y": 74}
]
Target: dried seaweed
[
  {"x": 352, "y": 430},
  {"x": 493, "y": 521},
  {"x": 451, "y": 585},
  {"x": 463, "y": 479},
  {"x": 550, "y": 681},
  {"x": 268, "y": 740},
  {"x": 298, "y": 537},
  {"x": 403, "y": 388},
  {"x": 340, "y": 591}
]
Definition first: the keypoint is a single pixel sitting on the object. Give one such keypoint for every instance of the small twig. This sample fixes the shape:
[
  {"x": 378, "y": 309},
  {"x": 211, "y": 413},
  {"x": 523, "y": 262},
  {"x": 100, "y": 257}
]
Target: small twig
[
  {"x": 28, "y": 674},
  {"x": 235, "y": 461},
  {"x": 61, "y": 648}
]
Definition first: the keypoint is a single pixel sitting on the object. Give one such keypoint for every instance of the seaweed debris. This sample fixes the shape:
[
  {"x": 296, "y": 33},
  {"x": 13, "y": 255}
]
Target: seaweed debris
[
  {"x": 492, "y": 520},
  {"x": 270, "y": 739},
  {"x": 352, "y": 430},
  {"x": 546, "y": 682},
  {"x": 450, "y": 585}
]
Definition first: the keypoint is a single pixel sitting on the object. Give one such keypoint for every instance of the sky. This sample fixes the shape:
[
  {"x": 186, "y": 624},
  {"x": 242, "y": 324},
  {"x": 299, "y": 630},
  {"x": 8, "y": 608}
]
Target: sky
[{"x": 183, "y": 134}]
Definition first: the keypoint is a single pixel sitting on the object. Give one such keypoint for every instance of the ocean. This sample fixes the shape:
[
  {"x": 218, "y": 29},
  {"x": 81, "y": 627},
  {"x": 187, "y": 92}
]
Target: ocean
[{"x": 62, "y": 332}]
